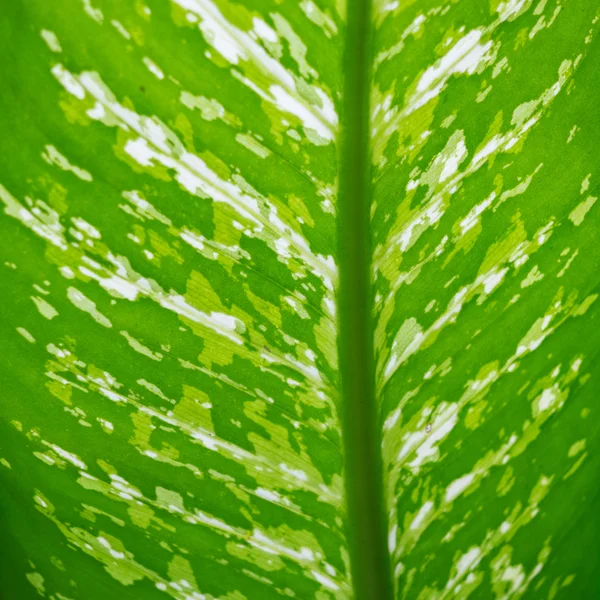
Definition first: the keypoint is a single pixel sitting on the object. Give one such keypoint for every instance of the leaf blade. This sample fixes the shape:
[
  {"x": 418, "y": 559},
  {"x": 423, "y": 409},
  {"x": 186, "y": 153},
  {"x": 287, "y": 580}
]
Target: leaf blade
[{"x": 482, "y": 310}]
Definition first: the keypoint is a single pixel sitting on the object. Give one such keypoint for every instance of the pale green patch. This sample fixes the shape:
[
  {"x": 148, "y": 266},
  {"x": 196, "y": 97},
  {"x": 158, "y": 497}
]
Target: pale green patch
[
  {"x": 51, "y": 40},
  {"x": 53, "y": 156},
  {"x": 45, "y": 308},
  {"x": 253, "y": 145},
  {"x": 26, "y": 334},
  {"x": 139, "y": 347},
  {"x": 37, "y": 581},
  {"x": 85, "y": 304},
  {"x": 579, "y": 213}
]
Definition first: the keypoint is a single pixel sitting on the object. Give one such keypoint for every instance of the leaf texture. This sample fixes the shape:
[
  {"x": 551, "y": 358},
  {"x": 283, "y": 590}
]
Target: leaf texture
[
  {"x": 485, "y": 280},
  {"x": 172, "y": 413},
  {"x": 170, "y": 408}
]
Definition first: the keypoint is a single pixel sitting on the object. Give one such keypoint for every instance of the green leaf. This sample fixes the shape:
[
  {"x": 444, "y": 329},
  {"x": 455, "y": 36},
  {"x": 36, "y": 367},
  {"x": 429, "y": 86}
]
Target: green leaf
[{"x": 299, "y": 299}]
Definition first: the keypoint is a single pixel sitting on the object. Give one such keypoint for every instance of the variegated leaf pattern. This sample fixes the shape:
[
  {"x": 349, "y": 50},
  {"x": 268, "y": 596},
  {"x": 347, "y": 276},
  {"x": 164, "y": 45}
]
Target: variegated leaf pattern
[
  {"x": 169, "y": 412},
  {"x": 171, "y": 415},
  {"x": 486, "y": 175}
]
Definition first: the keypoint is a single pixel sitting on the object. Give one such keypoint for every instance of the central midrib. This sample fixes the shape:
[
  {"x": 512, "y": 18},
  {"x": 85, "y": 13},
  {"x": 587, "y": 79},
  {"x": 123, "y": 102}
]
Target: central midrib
[{"x": 367, "y": 523}]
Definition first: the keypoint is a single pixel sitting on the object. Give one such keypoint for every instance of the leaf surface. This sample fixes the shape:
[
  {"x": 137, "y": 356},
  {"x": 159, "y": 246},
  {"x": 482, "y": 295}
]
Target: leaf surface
[
  {"x": 484, "y": 265},
  {"x": 218, "y": 371}
]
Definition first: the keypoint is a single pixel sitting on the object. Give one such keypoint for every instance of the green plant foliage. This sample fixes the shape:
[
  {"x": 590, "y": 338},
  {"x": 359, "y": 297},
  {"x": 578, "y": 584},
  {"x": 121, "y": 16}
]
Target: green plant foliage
[{"x": 174, "y": 394}]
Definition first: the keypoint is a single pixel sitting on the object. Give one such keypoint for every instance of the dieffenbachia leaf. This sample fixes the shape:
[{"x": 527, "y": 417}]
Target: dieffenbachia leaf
[
  {"x": 220, "y": 378},
  {"x": 486, "y": 173}
]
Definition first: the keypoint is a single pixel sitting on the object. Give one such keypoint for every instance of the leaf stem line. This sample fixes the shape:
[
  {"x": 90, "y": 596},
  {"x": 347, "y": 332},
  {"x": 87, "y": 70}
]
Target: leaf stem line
[{"x": 367, "y": 522}]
